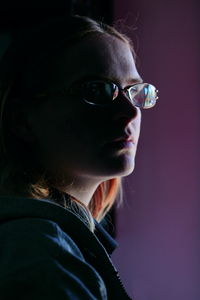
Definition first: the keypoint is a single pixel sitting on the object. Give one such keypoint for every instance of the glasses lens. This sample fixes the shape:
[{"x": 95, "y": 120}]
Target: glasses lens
[
  {"x": 143, "y": 95},
  {"x": 98, "y": 92}
]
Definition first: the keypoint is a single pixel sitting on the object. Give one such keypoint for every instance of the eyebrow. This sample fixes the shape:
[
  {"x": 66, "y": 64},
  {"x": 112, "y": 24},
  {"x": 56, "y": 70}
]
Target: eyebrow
[
  {"x": 130, "y": 81},
  {"x": 135, "y": 80}
]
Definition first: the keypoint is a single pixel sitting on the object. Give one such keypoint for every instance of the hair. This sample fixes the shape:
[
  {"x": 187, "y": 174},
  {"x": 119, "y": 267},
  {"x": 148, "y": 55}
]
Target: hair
[{"x": 33, "y": 48}]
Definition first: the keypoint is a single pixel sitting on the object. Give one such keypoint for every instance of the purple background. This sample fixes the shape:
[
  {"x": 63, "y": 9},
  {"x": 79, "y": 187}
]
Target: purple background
[{"x": 158, "y": 226}]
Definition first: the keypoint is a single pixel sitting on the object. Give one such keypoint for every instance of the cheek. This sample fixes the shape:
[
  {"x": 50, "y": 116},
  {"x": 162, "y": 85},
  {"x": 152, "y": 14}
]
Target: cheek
[
  {"x": 83, "y": 123},
  {"x": 137, "y": 124},
  {"x": 73, "y": 132}
]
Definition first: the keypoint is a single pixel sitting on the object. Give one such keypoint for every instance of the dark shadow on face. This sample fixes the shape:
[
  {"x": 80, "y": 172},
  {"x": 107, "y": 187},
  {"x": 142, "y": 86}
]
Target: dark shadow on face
[{"x": 72, "y": 135}]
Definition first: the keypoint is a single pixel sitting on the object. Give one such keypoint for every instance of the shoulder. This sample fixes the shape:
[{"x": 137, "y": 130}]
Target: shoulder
[
  {"x": 37, "y": 253},
  {"x": 36, "y": 234}
]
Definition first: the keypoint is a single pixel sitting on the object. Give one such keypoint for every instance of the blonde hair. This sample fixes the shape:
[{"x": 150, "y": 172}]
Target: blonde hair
[{"x": 42, "y": 42}]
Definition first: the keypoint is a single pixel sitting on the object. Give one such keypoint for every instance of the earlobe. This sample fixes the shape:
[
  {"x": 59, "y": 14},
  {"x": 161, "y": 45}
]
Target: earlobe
[{"x": 19, "y": 125}]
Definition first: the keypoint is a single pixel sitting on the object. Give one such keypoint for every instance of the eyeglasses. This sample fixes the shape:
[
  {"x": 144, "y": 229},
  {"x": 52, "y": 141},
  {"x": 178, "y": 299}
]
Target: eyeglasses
[{"x": 103, "y": 93}]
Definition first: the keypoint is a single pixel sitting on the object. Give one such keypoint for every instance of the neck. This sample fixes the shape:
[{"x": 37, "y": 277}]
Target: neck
[{"x": 82, "y": 189}]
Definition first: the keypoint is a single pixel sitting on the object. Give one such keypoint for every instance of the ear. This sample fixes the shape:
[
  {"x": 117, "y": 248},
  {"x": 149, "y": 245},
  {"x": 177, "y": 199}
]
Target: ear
[{"x": 19, "y": 122}]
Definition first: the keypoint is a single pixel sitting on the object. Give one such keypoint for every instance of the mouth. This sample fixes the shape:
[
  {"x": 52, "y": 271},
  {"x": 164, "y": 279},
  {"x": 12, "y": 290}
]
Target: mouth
[{"x": 121, "y": 144}]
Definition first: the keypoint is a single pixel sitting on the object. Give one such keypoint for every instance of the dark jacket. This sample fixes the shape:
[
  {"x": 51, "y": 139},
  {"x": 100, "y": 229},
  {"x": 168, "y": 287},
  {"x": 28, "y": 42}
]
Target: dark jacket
[{"x": 48, "y": 253}]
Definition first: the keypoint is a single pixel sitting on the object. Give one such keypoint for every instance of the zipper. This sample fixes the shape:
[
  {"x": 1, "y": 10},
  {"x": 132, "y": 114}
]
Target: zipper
[
  {"x": 120, "y": 282},
  {"x": 122, "y": 285},
  {"x": 112, "y": 270}
]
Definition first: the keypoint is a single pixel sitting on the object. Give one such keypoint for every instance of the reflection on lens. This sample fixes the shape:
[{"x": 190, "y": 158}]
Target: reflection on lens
[
  {"x": 146, "y": 97},
  {"x": 150, "y": 96}
]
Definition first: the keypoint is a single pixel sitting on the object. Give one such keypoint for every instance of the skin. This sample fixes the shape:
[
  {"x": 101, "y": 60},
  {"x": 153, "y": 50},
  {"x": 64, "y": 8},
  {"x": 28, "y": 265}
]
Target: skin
[{"x": 70, "y": 134}]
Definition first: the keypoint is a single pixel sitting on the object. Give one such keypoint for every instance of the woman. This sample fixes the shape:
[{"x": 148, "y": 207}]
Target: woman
[{"x": 70, "y": 122}]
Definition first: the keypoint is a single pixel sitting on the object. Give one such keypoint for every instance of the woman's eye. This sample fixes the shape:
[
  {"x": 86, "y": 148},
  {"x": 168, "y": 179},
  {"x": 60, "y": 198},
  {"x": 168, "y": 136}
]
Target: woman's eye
[{"x": 94, "y": 89}]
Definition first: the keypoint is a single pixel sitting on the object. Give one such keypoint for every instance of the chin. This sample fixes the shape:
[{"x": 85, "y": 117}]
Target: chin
[
  {"x": 121, "y": 167},
  {"x": 128, "y": 171}
]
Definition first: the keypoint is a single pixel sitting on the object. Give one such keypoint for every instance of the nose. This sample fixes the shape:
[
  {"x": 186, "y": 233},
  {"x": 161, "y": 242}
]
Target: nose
[{"x": 124, "y": 108}]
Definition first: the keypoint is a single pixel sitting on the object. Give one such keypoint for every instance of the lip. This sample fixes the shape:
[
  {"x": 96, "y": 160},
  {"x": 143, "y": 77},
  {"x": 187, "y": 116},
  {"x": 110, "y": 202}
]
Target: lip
[
  {"x": 121, "y": 144},
  {"x": 127, "y": 138}
]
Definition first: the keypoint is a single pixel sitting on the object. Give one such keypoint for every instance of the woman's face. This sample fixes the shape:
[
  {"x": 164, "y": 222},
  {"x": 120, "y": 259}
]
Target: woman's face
[{"x": 73, "y": 135}]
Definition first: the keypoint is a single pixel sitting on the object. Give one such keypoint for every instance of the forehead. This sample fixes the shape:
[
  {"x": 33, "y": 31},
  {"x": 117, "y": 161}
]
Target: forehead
[{"x": 99, "y": 55}]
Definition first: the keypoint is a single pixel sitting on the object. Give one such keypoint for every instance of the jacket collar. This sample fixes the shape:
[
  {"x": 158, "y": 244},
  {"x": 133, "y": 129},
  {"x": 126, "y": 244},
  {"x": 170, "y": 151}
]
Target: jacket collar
[
  {"x": 19, "y": 207},
  {"x": 105, "y": 238}
]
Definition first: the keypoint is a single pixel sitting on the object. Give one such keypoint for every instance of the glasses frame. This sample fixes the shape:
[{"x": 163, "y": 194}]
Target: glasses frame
[{"x": 75, "y": 90}]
